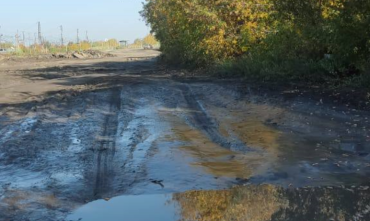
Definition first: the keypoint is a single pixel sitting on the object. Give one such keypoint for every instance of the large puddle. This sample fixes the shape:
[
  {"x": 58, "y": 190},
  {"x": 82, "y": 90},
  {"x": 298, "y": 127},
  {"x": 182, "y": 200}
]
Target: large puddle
[{"x": 252, "y": 203}]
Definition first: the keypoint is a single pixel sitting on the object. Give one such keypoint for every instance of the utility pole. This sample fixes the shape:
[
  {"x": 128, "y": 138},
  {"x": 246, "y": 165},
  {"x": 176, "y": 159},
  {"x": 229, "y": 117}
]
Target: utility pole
[
  {"x": 17, "y": 39},
  {"x": 78, "y": 38},
  {"x": 29, "y": 39},
  {"x": 24, "y": 39},
  {"x": 1, "y": 35},
  {"x": 87, "y": 39},
  {"x": 61, "y": 35},
  {"x": 39, "y": 33}
]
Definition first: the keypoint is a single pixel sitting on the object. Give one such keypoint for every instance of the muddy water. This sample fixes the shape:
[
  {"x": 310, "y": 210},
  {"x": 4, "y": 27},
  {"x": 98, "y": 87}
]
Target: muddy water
[
  {"x": 252, "y": 203},
  {"x": 138, "y": 140}
]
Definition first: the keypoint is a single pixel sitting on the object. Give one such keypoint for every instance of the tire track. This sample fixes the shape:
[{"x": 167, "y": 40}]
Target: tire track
[
  {"x": 107, "y": 146},
  {"x": 202, "y": 121}
]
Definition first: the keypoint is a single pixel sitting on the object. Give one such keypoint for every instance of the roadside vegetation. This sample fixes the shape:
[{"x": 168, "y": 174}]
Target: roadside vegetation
[
  {"x": 147, "y": 40},
  {"x": 47, "y": 47},
  {"x": 50, "y": 48},
  {"x": 313, "y": 41}
]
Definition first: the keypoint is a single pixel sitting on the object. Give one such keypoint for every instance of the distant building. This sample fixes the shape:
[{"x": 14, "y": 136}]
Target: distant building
[{"x": 123, "y": 43}]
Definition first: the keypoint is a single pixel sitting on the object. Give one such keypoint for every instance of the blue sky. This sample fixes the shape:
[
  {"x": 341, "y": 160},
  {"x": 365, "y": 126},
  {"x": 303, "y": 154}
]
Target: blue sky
[{"x": 102, "y": 19}]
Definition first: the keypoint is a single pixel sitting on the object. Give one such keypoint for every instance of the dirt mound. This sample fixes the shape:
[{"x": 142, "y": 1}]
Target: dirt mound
[{"x": 83, "y": 54}]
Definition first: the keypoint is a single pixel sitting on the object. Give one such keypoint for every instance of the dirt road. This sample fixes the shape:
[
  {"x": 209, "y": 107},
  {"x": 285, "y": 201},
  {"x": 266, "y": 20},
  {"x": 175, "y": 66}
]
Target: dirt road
[{"x": 76, "y": 131}]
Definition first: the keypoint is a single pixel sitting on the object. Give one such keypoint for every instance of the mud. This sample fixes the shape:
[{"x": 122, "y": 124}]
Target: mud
[{"x": 77, "y": 131}]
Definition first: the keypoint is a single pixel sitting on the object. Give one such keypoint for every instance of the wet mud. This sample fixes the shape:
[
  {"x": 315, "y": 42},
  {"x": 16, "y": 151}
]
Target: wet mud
[{"x": 108, "y": 133}]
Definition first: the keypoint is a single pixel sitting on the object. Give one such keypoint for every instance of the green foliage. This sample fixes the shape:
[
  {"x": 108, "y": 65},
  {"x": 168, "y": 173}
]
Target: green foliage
[
  {"x": 269, "y": 39},
  {"x": 204, "y": 32}
]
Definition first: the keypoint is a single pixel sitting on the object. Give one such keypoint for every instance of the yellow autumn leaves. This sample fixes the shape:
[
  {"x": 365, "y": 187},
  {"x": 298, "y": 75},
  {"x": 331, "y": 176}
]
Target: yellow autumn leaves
[
  {"x": 205, "y": 31},
  {"x": 283, "y": 34}
]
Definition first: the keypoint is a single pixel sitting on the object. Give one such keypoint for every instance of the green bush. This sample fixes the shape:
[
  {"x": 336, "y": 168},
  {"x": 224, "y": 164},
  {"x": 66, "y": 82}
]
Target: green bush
[{"x": 311, "y": 40}]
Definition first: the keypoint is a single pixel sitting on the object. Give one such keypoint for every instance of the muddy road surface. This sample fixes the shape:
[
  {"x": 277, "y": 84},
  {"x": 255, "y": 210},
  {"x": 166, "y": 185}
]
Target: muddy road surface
[{"x": 106, "y": 139}]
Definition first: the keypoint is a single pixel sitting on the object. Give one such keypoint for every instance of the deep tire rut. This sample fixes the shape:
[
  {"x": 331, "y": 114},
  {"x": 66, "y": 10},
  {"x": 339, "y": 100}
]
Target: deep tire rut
[
  {"x": 107, "y": 146},
  {"x": 202, "y": 121}
]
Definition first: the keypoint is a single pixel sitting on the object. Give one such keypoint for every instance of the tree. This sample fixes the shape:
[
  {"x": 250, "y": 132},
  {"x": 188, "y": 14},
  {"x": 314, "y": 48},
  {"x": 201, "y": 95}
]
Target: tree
[
  {"x": 308, "y": 39},
  {"x": 150, "y": 39}
]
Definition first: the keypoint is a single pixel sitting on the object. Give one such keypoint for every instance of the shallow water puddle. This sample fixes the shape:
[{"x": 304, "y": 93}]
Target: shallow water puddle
[
  {"x": 265, "y": 202},
  {"x": 207, "y": 154},
  {"x": 130, "y": 208},
  {"x": 20, "y": 128}
]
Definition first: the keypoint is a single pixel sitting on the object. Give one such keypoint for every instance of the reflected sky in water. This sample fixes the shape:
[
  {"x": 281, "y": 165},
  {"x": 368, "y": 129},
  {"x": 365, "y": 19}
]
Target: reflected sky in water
[
  {"x": 249, "y": 203},
  {"x": 130, "y": 208}
]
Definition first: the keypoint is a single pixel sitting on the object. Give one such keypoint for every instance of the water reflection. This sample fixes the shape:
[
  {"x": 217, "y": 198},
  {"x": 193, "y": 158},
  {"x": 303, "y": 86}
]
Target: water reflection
[
  {"x": 249, "y": 203},
  {"x": 208, "y": 155},
  {"x": 129, "y": 208}
]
